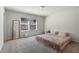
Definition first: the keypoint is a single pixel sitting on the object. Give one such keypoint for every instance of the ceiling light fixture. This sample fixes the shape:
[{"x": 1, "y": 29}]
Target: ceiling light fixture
[{"x": 42, "y": 6}]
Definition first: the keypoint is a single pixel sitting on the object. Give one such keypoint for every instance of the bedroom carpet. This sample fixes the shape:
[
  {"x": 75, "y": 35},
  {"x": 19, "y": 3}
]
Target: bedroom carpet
[
  {"x": 30, "y": 45},
  {"x": 25, "y": 45}
]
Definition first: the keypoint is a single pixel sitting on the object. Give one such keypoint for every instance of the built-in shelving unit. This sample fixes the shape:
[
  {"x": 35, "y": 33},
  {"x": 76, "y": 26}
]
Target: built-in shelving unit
[
  {"x": 24, "y": 24},
  {"x": 27, "y": 25},
  {"x": 33, "y": 24}
]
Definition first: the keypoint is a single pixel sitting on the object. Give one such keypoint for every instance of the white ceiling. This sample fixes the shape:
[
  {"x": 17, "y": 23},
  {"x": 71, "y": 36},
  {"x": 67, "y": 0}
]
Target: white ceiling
[{"x": 37, "y": 10}]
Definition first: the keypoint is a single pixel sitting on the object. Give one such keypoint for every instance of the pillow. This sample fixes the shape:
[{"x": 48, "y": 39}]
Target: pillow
[
  {"x": 56, "y": 33},
  {"x": 63, "y": 34},
  {"x": 67, "y": 34}
]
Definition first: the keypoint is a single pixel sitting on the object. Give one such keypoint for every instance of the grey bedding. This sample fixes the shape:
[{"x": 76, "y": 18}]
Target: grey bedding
[{"x": 58, "y": 40}]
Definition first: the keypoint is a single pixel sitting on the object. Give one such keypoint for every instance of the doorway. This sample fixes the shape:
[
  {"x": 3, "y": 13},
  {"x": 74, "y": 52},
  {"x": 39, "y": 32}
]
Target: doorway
[{"x": 15, "y": 29}]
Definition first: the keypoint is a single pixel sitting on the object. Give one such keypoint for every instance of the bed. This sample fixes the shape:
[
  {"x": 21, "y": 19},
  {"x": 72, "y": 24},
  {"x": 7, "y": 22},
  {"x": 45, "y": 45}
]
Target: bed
[{"x": 56, "y": 40}]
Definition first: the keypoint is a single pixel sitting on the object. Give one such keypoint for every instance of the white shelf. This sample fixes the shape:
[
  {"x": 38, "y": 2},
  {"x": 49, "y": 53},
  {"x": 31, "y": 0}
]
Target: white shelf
[{"x": 28, "y": 23}]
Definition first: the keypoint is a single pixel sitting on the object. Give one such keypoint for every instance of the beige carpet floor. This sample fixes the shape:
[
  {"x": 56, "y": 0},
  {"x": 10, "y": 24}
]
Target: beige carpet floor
[
  {"x": 31, "y": 45},
  {"x": 25, "y": 45}
]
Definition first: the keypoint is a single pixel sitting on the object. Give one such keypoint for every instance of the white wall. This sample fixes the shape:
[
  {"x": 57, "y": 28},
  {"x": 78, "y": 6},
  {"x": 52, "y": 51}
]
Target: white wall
[
  {"x": 13, "y": 15},
  {"x": 1, "y": 26},
  {"x": 64, "y": 20}
]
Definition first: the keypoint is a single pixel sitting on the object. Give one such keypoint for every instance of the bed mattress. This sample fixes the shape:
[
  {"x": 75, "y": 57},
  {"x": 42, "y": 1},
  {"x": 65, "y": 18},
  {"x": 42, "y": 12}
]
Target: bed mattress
[{"x": 52, "y": 40}]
